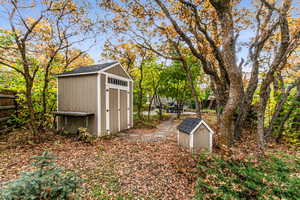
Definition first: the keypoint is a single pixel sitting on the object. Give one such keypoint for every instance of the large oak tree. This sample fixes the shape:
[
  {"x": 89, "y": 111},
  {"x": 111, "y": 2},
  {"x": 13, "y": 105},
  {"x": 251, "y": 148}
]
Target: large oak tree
[{"x": 211, "y": 29}]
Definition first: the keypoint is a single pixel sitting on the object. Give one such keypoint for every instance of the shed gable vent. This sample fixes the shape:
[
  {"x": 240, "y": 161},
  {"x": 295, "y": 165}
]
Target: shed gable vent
[{"x": 117, "y": 81}]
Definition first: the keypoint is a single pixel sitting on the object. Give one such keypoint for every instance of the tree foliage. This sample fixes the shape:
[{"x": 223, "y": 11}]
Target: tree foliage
[
  {"x": 210, "y": 31},
  {"x": 36, "y": 47}
]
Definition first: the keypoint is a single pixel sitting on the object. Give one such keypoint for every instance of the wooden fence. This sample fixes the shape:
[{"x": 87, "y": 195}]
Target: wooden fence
[{"x": 8, "y": 106}]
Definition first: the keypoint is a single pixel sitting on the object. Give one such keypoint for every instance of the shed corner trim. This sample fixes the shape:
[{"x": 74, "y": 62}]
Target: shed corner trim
[{"x": 99, "y": 118}]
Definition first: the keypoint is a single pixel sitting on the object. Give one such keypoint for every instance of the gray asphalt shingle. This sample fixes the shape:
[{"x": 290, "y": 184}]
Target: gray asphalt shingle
[
  {"x": 87, "y": 69},
  {"x": 188, "y": 124}
]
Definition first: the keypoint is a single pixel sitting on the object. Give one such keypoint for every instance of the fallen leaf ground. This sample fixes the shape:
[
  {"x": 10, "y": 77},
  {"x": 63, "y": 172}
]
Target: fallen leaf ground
[
  {"x": 122, "y": 167},
  {"x": 114, "y": 168}
]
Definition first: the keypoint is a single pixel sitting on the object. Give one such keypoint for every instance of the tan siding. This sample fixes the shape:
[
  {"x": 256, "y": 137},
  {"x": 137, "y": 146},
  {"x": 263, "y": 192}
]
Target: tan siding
[
  {"x": 78, "y": 93},
  {"x": 123, "y": 110},
  {"x": 117, "y": 70},
  {"x": 131, "y": 102},
  {"x": 184, "y": 140},
  {"x": 113, "y": 110},
  {"x": 103, "y": 104},
  {"x": 201, "y": 138}
]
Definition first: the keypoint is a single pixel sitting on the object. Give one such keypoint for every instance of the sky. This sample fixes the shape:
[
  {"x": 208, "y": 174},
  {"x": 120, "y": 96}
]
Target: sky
[
  {"x": 95, "y": 11},
  {"x": 244, "y": 36},
  {"x": 95, "y": 51}
]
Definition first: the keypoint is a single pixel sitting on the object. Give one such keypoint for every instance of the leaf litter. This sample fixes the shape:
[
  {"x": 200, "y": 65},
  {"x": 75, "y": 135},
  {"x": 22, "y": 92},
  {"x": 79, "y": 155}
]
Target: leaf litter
[{"x": 112, "y": 167}]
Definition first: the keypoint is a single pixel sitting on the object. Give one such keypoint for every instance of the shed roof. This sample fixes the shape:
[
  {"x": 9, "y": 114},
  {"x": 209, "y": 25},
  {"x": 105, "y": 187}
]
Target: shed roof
[
  {"x": 87, "y": 69},
  {"x": 188, "y": 125}
]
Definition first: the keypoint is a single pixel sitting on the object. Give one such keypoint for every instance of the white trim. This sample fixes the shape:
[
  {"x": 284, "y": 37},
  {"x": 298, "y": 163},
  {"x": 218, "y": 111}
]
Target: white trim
[
  {"x": 119, "y": 111},
  {"x": 191, "y": 141},
  {"x": 78, "y": 74},
  {"x": 99, "y": 71},
  {"x": 114, "y": 65},
  {"x": 210, "y": 142},
  {"x": 98, "y": 105},
  {"x": 107, "y": 105},
  {"x": 210, "y": 135},
  {"x": 196, "y": 127},
  {"x": 57, "y": 121},
  {"x": 178, "y": 137},
  {"x": 126, "y": 72},
  {"x": 108, "y": 67},
  {"x": 115, "y": 76},
  {"x": 119, "y": 87},
  {"x": 128, "y": 109},
  {"x": 131, "y": 106},
  {"x": 205, "y": 124}
]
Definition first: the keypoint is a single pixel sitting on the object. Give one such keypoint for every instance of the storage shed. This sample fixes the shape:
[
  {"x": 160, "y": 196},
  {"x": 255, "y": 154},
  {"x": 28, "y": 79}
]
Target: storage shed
[
  {"x": 98, "y": 97},
  {"x": 195, "y": 134}
]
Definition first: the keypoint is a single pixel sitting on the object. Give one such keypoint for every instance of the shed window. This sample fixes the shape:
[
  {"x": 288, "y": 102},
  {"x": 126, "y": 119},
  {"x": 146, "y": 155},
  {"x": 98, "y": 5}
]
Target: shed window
[{"x": 117, "y": 81}]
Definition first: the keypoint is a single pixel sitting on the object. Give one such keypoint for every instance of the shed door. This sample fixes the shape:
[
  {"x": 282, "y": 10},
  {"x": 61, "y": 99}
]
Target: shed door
[
  {"x": 123, "y": 110},
  {"x": 113, "y": 110}
]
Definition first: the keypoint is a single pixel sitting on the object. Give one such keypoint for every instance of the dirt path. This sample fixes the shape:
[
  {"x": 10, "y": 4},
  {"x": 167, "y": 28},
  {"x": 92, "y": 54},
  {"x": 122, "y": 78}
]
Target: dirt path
[{"x": 164, "y": 130}]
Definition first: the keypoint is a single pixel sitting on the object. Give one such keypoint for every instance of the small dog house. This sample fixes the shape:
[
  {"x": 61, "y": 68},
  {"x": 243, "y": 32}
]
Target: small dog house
[
  {"x": 195, "y": 134},
  {"x": 98, "y": 97}
]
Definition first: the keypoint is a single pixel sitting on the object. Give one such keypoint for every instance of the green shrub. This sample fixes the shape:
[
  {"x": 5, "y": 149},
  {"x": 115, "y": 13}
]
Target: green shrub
[
  {"x": 46, "y": 182},
  {"x": 269, "y": 178}
]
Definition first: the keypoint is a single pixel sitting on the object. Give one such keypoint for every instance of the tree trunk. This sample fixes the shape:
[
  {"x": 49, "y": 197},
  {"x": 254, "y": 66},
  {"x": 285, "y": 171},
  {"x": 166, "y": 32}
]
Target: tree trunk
[
  {"x": 252, "y": 86},
  {"x": 277, "y": 64},
  {"x": 220, "y": 101},
  {"x": 219, "y": 109},
  {"x": 190, "y": 81},
  {"x": 279, "y": 106},
  {"x": 223, "y": 9},
  {"x": 28, "y": 94},
  {"x": 194, "y": 93},
  {"x": 44, "y": 97},
  {"x": 245, "y": 104},
  {"x": 155, "y": 87},
  {"x": 160, "y": 108},
  {"x": 210, "y": 105},
  {"x": 178, "y": 113},
  {"x": 227, "y": 116},
  {"x": 140, "y": 98},
  {"x": 264, "y": 96},
  {"x": 296, "y": 120},
  {"x": 150, "y": 104},
  {"x": 282, "y": 123},
  {"x": 241, "y": 118},
  {"x": 288, "y": 113}
]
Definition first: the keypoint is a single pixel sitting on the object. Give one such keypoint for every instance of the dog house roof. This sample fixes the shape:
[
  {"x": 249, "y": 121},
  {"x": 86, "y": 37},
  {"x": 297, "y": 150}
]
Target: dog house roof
[
  {"x": 88, "y": 69},
  {"x": 189, "y": 125}
]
